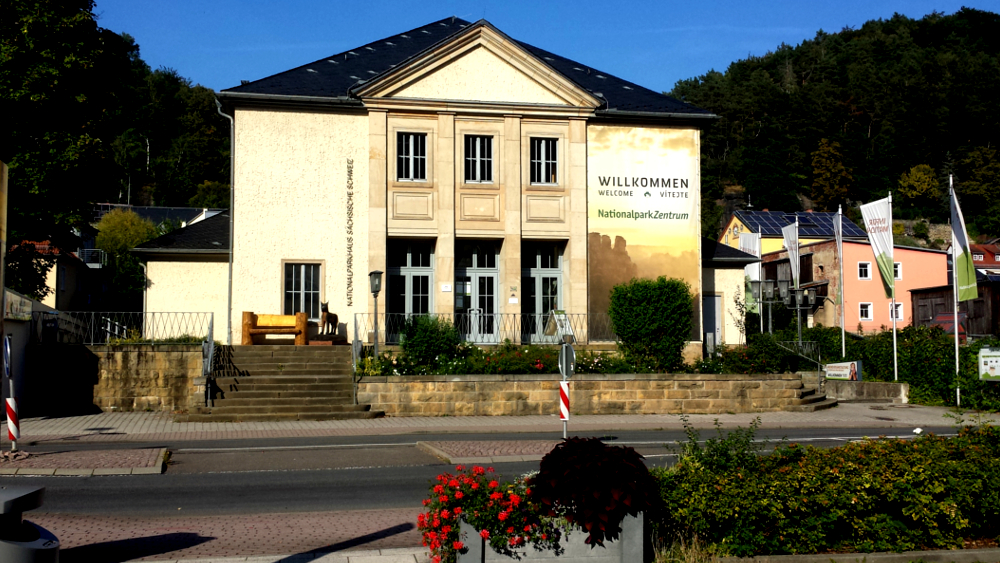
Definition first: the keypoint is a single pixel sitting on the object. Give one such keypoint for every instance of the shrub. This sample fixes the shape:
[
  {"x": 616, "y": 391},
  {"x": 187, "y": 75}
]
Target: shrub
[
  {"x": 873, "y": 495},
  {"x": 922, "y": 230},
  {"x": 503, "y": 512},
  {"x": 428, "y": 340},
  {"x": 593, "y": 486},
  {"x": 653, "y": 320}
]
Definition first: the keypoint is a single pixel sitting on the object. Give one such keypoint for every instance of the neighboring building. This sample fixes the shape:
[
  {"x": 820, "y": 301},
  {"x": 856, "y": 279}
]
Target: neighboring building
[
  {"x": 187, "y": 271},
  {"x": 813, "y": 227},
  {"x": 867, "y": 306},
  {"x": 986, "y": 256},
  {"x": 982, "y": 315},
  {"x": 725, "y": 285},
  {"x": 71, "y": 283},
  {"x": 160, "y": 216},
  {"x": 490, "y": 179}
]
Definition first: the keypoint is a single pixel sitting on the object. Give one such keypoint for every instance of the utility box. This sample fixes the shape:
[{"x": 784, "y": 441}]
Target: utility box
[{"x": 22, "y": 541}]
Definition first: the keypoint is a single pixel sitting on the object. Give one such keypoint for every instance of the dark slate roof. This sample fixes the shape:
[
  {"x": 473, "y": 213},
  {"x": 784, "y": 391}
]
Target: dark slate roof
[
  {"x": 210, "y": 236},
  {"x": 814, "y": 224},
  {"x": 335, "y": 76},
  {"x": 713, "y": 251}
]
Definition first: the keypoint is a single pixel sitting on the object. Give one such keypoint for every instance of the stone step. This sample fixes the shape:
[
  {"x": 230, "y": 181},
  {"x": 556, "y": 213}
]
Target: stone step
[
  {"x": 283, "y": 371},
  {"x": 279, "y": 409},
  {"x": 813, "y": 407},
  {"x": 279, "y": 394},
  {"x": 284, "y": 387},
  {"x": 282, "y": 379},
  {"x": 809, "y": 399},
  {"x": 229, "y": 401},
  {"x": 292, "y": 364},
  {"x": 273, "y": 417}
]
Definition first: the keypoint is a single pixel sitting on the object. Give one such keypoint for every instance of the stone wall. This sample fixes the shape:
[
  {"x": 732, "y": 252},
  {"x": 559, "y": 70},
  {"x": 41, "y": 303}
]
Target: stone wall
[
  {"x": 492, "y": 395},
  {"x": 867, "y": 391},
  {"x": 144, "y": 377}
]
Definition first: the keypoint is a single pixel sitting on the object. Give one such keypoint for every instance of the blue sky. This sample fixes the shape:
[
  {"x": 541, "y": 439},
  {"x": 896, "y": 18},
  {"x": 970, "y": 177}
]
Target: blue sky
[{"x": 219, "y": 42}]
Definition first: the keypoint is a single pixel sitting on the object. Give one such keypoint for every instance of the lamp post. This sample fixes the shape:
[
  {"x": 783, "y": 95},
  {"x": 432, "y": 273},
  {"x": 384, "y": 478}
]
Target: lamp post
[
  {"x": 375, "y": 280},
  {"x": 800, "y": 299},
  {"x": 764, "y": 292}
]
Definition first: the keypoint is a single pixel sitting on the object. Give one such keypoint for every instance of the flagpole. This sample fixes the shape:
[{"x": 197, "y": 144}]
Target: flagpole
[
  {"x": 840, "y": 260},
  {"x": 760, "y": 279},
  {"x": 954, "y": 281},
  {"x": 892, "y": 313}
]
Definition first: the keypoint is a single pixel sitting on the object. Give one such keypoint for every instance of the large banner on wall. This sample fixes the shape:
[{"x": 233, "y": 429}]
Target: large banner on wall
[{"x": 643, "y": 197}]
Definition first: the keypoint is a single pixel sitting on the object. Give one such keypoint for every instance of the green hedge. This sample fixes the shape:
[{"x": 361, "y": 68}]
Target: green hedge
[
  {"x": 876, "y": 495},
  {"x": 653, "y": 320},
  {"x": 926, "y": 361}
]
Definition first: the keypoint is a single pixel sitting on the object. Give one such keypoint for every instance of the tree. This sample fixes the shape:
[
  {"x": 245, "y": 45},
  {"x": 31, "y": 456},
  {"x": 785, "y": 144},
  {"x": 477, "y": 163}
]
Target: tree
[
  {"x": 119, "y": 231},
  {"x": 211, "y": 194},
  {"x": 918, "y": 186},
  {"x": 26, "y": 270},
  {"x": 831, "y": 179}
]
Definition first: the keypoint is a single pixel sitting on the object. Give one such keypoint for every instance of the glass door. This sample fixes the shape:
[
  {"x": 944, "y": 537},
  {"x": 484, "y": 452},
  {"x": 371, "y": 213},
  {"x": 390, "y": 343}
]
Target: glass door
[
  {"x": 541, "y": 280},
  {"x": 476, "y": 281},
  {"x": 408, "y": 284}
]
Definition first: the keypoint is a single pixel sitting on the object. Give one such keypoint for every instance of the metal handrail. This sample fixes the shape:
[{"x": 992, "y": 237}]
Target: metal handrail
[{"x": 117, "y": 327}]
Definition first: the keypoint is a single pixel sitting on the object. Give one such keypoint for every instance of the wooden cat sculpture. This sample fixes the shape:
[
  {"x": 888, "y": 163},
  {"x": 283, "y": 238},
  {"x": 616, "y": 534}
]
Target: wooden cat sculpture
[{"x": 327, "y": 320}]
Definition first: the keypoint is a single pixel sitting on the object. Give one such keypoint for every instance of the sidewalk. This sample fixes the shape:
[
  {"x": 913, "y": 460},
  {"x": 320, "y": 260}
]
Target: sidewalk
[{"x": 147, "y": 426}]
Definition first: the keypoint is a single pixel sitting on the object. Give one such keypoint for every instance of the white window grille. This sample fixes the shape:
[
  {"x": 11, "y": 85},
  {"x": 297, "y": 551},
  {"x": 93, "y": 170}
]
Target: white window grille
[
  {"x": 865, "y": 311},
  {"x": 411, "y": 157},
  {"x": 864, "y": 270},
  {"x": 302, "y": 289},
  {"x": 478, "y": 159},
  {"x": 544, "y": 161}
]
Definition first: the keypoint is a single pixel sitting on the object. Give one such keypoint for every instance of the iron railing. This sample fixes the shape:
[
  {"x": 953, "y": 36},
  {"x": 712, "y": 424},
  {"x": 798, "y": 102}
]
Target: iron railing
[
  {"x": 808, "y": 349},
  {"x": 93, "y": 257},
  {"x": 483, "y": 328},
  {"x": 102, "y": 328}
]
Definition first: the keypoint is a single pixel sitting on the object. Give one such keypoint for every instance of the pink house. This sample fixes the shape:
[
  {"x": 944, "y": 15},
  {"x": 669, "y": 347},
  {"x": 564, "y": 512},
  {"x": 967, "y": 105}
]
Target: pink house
[{"x": 865, "y": 303}]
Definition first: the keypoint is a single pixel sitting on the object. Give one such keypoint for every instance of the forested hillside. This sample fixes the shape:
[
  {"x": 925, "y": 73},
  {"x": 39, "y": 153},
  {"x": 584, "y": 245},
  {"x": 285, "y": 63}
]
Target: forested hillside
[
  {"x": 847, "y": 117},
  {"x": 86, "y": 120}
]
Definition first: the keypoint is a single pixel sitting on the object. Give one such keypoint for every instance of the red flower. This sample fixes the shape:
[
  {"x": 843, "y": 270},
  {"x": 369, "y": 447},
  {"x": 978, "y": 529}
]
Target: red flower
[
  {"x": 477, "y": 470},
  {"x": 515, "y": 500},
  {"x": 445, "y": 514},
  {"x": 495, "y": 495},
  {"x": 445, "y": 529},
  {"x": 443, "y": 498},
  {"x": 426, "y": 501},
  {"x": 527, "y": 528},
  {"x": 458, "y": 545},
  {"x": 453, "y": 483},
  {"x": 459, "y": 494},
  {"x": 494, "y": 484},
  {"x": 436, "y": 523},
  {"x": 459, "y": 468},
  {"x": 438, "y": 489},
  {"x": 485, "y": 534},
  {"x": 458, "y": 510},
  {"x": 475, "y": 486},
  {"x": 502, "y": 516}
]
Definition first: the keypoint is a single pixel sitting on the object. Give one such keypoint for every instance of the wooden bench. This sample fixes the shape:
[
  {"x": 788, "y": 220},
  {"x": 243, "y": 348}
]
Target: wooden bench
[{"x": 296, "y": 325}]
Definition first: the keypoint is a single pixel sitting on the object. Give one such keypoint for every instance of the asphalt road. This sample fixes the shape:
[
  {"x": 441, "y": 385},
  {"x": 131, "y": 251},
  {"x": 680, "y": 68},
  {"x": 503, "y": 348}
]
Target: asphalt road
[{"x": 320, "y": 474}]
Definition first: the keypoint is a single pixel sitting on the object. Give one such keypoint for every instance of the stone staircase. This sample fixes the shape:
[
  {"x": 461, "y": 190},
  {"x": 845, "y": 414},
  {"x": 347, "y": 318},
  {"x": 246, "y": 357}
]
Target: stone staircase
[
  {"x": 269, "y": 383},
  {"x": 811, "y": 400}
]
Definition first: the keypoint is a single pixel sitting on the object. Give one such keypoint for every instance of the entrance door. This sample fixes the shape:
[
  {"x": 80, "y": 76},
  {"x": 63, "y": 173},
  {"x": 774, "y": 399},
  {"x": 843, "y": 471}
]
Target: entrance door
[
  {"x": 541, "y": 280},
  {"x": 408, "y": 284},
  {"x": 712, "y": 316},
  {"x": 477, "y": 279}
]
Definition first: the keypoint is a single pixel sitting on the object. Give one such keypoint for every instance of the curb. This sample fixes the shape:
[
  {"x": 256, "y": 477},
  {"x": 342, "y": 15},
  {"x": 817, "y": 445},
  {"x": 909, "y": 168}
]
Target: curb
[
  {"x": 388, "y": 555},
  {"x": 86, "y": 472},
  {"x": 439, "y": 453},
  {"x": 988, "y": 555}
]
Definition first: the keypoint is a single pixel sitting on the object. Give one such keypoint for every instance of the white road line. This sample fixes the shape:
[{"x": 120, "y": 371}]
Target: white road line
[{"x": 789, "y": 440}]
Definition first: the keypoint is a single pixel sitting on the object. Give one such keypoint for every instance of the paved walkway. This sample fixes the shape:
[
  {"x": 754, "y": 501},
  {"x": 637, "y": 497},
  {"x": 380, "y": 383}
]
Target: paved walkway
[
  {"x": 140, "y": 461},
  {"x": 145, "y": 426},
  {"x": 324, "y": 536}
]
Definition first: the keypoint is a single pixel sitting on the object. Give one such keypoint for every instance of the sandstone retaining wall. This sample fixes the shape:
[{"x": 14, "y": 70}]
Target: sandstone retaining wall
[
  {"x": 492, "y": 395},
  {"x": 867, "y": 391},
  {"x": 144, "y": 377}
]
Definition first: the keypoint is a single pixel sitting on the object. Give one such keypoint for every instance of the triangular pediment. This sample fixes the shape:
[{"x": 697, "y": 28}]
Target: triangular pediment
[{"x": 479, "y": 65}]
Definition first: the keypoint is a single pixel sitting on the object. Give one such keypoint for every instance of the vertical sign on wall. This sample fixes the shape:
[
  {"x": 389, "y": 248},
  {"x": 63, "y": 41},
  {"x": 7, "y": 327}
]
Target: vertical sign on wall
[{"x": 643, "y": 196}]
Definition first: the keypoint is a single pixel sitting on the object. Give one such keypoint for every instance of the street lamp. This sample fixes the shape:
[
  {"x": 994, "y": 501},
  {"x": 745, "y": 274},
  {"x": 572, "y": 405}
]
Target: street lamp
[
  {"x": 801, "y": 299},
  {"x": 764, "y": 292},
  {"x": 375, "y": 280}
]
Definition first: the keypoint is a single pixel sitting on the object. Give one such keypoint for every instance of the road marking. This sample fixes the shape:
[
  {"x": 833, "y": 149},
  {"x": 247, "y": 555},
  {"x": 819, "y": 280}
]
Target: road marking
[
  {"x": 277, "y": 448},
  {"x": 777, "y": 440}
]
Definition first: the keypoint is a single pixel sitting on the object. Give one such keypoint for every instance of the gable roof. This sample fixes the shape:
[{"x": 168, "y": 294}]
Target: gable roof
[
  {"x": 334, "y": 79},
  {"x": 210, "y": 236},
  {"x": 713, "y": 252},
  {"x": 812, "y": 224}
]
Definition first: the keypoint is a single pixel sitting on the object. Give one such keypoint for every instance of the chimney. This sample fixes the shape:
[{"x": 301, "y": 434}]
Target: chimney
[
  {"x": 809, "y": 210},
  {"x": 765, "y": 209}
]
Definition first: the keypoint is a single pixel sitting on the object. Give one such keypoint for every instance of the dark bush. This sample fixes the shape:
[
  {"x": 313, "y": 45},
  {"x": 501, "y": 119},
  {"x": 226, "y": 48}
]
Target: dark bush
[
  {"x": 428, "y": 341},
  {"x": 593, "y": 486},
  {"x": 653, "y": 320},
  {"x": 922, "y": 230}
]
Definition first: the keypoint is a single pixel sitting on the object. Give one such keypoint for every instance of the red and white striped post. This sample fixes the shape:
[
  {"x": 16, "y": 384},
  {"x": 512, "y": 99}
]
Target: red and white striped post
[
  {"x": 567, "y": 365},
  {"x": 13, "y": 424}
]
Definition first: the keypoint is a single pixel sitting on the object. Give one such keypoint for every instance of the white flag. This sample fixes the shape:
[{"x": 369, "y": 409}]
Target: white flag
[
  {"x": 791, "y": 234},
  {"x": 965, "y": 270},
  {"x": 838, "y": 233},
  {"x": 750, "y": 243},
  {"x": 878, "y": 223}
]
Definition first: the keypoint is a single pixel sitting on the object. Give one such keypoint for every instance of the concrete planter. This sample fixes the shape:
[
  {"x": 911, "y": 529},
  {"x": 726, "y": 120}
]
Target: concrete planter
[
  {"x": 867, "y": 391},
  {"x": 633, "y": 546}
]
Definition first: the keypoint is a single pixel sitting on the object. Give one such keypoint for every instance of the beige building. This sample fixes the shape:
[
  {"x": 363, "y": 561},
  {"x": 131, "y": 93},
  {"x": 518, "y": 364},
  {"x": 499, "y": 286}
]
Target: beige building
[{"x": 491, "y": 181}]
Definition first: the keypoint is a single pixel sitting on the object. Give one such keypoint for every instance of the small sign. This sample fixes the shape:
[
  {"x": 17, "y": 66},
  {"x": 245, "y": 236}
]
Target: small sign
[
  {"x": 558, "y": 324},
  {"x": 512, "y": 300},
  {"x": 17, "y": 308},
  {"x": 849, "y": 371},
  {"x": 567, "y": 361},
  {"x": 446, "y": 288},
  {"x": 989, "y": 364}
]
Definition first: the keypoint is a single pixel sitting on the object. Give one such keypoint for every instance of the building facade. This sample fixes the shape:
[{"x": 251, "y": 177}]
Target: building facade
[{"x": 491, "y": 181}]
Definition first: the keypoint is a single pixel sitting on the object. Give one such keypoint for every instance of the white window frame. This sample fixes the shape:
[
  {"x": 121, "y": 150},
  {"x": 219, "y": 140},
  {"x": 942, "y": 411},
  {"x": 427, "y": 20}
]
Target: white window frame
[
  {"x": 482, "y": 148},
  {"x": 408, "y": 272},
  {"x": 547, "y": 155},
  {"x": 897, "y": 270},
  {"x": 868, "y": 266},
  {"x": 996, "y": 257},
  {"x": 900, "y": 313},
  {"x": 411, "y": 156},
  {"x": 302, "y": 290},
  {"x": 977, "y": 257},
  {"x": 861, "y": 307}
]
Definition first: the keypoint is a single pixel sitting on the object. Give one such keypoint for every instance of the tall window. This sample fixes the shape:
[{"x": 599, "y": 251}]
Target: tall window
[
  {"x": 544, "y": 161},
  {"x": 541, "y": 278},
  {"x": 411, "y": 267},
  {"x": 302, "y": 284},
  {"x": 478, "y": 159},
  {"x": 897, "y": 270},
  {"x": 864, "y": 270},
  {"x": 898, "y": 313},
  {"x": 411, "y": 157}
]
